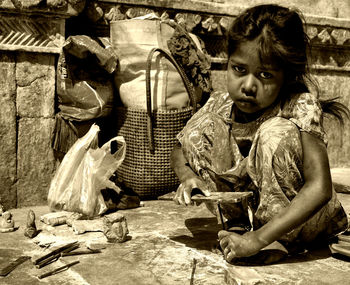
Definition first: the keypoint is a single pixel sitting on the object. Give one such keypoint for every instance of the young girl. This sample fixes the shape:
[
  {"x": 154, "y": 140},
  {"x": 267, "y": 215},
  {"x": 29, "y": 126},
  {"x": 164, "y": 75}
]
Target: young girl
[{"x": 265, "y": 135}]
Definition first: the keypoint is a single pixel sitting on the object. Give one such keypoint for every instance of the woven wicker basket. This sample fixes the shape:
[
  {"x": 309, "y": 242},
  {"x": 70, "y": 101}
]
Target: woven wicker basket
[{"x": 150, "y": 137}]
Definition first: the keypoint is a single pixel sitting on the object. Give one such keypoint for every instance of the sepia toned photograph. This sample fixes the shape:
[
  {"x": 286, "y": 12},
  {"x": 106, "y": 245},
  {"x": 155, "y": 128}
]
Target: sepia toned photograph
[{"x": 199, "y": 142}]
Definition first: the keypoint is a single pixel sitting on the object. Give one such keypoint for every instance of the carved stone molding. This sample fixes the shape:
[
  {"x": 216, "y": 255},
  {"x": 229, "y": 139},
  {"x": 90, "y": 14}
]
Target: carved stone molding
[
  {"x": 33, "y": 34},
  {"x": 35, "y": 25},
  {"x": 53, "y": 7},
  {"x": 45, "y": 32},
  {"x": 330, "y": 37}
]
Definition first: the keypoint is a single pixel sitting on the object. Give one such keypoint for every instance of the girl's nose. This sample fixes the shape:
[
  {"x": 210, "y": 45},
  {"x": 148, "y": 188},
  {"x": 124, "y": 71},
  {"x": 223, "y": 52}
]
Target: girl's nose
[{"x": 249, "y": 87}]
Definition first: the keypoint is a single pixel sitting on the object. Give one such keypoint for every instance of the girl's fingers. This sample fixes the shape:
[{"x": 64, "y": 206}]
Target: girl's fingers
[
  {"x": 187, "y": 196},
  {"x": 183, "y": 195},
  {"x": 181, "y": 198},
  {"x": 184, "y": 191},
  {"x": 178, "y": 195}
]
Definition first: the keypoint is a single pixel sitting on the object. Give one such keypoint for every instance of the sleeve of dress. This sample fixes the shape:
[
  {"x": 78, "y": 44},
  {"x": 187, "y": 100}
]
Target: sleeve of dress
[
  {"x": 307, "y": 114},
  {"x": 208, "y": 107}
]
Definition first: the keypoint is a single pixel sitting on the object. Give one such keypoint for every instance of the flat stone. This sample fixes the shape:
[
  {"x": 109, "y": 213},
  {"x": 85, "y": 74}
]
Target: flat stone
[
  {"x": 55, "y": 218},
  {"x": 81, "y": 226}
]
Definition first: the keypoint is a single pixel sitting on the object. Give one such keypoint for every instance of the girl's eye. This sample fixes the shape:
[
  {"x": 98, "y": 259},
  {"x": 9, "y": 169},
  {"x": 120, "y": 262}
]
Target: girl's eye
[
  {"x": 265, "y": 75},
  {"x": 239, "y": 69}
]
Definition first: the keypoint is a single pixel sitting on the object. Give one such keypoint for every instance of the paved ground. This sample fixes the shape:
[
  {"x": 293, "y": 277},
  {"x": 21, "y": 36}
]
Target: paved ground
[{"x": 164, "y": 240}]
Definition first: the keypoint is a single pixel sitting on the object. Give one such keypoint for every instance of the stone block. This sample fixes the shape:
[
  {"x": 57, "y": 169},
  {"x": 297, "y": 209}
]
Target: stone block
[
  {"x": 35, "y": 75},
  {"x": 35, "y": 160},
  {"x": 32, "y": 66},
  {"x": 341, "y": 180},
  {"x": 7, "y": 75},
  {"x": 37, "y": 99},
  {"x": 7, "y": 131}
]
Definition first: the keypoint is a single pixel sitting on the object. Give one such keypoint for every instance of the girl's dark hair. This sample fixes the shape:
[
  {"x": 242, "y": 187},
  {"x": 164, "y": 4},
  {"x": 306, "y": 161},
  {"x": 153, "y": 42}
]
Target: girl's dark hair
[{"x": 283, "y": 42}]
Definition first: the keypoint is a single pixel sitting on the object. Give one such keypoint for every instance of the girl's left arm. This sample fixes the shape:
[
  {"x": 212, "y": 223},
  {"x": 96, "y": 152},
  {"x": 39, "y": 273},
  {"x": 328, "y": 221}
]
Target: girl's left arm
[{"x": 315, "y": 193}]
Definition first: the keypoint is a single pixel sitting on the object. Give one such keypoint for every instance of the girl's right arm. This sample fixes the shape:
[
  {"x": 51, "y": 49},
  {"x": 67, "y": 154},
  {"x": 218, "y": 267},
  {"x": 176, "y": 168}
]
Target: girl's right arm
[{"x": 189, "y": 180}]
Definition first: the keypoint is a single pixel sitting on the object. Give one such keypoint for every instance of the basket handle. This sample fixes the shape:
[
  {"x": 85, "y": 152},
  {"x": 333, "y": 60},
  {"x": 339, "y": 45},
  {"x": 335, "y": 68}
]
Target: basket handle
[{"x": 188, "y": 86}]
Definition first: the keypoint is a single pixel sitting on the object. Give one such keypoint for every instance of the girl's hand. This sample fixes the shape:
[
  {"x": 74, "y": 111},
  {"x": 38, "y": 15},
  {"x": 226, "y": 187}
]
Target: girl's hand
[
  {"x": 184, "y": 191},
  {"x": 235, "y": 246}
]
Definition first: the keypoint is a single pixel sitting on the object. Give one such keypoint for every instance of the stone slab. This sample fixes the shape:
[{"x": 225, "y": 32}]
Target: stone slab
[
  {"x": 164, "y": 239},
  {"x": 35, "y": 76},
  {"x": 36, "y": 163},
  {"x": 7, "y": 130},
  {"x": 341, "y": 179}
]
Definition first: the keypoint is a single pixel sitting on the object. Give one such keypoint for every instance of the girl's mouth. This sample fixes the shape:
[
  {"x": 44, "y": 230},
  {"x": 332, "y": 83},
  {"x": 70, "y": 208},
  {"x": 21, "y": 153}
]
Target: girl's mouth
[{"x": 247, "y": 103}]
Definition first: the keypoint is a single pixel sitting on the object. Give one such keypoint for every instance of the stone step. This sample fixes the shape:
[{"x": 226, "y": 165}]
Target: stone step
[{"x": 341, "y": 179}]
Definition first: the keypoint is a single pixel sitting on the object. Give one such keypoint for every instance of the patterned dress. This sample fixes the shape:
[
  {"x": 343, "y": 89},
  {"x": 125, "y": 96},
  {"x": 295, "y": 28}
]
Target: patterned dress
[{"x": 264, "y": 156}]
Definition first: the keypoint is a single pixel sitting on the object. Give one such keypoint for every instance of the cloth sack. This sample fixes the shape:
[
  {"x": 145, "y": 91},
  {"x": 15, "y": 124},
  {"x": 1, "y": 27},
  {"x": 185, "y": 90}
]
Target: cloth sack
[
  {"x": 84, "y": 80},
  {"x": 132, "y": 40},
  {"x": 85, "y": 88}
]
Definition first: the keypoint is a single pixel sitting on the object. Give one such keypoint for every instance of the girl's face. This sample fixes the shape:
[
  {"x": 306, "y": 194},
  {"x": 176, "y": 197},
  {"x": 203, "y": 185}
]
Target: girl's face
[{"x": 252, "y": 85}]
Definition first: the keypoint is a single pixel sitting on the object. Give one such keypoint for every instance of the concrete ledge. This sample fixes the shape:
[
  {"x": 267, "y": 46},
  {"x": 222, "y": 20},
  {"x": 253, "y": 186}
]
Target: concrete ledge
[{"x": 341, "y": 179}]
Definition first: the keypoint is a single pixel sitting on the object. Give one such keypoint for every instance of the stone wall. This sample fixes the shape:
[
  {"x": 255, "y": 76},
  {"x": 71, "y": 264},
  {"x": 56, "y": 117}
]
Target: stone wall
[
  {"x": 27, "y": 84},
  {"x": 31, "y": 38},
  {"x": 8, "y": 122}
]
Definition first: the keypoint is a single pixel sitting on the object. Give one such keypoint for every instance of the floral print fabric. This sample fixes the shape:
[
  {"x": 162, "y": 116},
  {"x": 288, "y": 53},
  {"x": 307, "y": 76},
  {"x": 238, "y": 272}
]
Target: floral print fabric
[{"x": 271, "y": 165}]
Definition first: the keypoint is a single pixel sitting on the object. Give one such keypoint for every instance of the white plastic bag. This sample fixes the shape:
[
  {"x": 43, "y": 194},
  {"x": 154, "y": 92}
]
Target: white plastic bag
[{"x": 83, "y": 173}]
